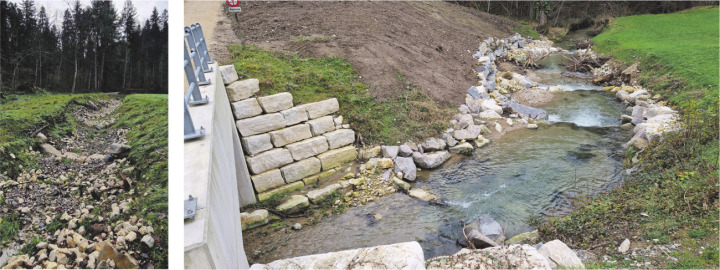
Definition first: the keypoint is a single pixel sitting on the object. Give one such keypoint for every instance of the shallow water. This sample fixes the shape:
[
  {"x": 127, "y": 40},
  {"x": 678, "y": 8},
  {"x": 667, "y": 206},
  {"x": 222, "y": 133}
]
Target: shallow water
[{"x": 524, "y": 174}]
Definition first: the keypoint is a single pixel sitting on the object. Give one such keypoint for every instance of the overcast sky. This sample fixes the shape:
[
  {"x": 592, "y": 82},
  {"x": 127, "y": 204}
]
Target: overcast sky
[{"x": 56, "y": 8}]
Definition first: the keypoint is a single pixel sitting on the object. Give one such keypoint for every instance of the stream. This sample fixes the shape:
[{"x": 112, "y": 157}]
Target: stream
[{"x": 524, "y": 174}]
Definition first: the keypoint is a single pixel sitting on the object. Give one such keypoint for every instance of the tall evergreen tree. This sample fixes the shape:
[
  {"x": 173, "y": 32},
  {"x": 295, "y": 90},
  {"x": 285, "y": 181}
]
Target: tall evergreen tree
[{"x": 93, "y": 49}]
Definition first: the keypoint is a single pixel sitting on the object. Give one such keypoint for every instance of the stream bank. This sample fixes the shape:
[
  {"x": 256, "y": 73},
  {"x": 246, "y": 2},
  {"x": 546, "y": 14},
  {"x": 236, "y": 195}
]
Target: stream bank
[{"x": 577, "y": 151}]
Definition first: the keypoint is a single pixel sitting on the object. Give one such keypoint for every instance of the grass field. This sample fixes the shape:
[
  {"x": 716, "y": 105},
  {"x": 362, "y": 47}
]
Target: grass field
[
  {"x": 678, "y": 52},
  {"x": 413, "y": 115},
  {"x": 673, "y": 196}
]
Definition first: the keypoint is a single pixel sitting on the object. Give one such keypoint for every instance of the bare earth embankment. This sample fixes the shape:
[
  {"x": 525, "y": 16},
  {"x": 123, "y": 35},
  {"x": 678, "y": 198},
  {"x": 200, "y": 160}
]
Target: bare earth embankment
[{"x": 429, "y": 43}]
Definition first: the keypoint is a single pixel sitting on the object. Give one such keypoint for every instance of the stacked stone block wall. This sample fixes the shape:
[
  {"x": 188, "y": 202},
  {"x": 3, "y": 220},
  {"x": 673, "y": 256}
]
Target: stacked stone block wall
[{"x": 285, "y": 143}]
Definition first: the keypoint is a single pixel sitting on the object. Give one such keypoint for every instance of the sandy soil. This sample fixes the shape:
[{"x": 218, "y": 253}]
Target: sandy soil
[{"x": 430, "y": 43}]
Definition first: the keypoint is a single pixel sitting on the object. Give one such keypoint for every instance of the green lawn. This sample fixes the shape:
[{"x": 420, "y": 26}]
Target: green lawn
[
  {"x": 678, "y": 52},
  {"x": 411, "y": 115}
]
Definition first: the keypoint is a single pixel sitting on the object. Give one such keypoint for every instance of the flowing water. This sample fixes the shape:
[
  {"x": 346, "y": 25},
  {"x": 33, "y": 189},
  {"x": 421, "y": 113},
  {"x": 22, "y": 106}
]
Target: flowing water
[{"x": 524, "y": 174}]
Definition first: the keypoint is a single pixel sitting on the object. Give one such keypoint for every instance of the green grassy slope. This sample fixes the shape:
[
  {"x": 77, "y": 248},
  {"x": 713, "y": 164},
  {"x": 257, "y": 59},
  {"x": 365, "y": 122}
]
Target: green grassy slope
[
  {"x": 673, "y": 196},
  {"x": 681, "y": 47},
  {"x": 23, "y": 114},
  {"x": 413, "y": 115},
  {"x": 146, "y": 115}
]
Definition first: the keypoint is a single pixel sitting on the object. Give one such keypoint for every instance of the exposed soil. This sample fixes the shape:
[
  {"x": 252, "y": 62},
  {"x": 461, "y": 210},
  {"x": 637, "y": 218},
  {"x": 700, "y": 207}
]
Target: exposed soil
[{"x": 429, "y": 43}]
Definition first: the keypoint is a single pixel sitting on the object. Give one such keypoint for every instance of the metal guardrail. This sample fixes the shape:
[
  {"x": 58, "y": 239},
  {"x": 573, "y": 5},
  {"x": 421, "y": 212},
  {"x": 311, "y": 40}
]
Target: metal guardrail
[{"x": 197, "y": 56}]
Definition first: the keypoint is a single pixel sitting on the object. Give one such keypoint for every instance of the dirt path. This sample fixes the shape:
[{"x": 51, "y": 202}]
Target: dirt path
[
  {"x": 216, "y": 27},
  {"x": 79, "y": 198},
  {"x": 428, "y": 43}
]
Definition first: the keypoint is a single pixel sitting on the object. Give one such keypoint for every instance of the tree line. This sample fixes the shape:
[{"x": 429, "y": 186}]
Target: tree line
[
  {"x": 94, "y": 49},
  {"x": 573, "y": 14}
]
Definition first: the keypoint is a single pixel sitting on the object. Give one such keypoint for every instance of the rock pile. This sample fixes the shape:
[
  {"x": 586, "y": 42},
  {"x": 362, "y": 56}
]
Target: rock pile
[{"x": 647, "y": 118}]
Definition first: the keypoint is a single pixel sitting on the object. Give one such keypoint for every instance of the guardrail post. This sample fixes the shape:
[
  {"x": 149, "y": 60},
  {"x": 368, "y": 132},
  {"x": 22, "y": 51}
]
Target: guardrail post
[
  {"x": 193, "y": 89},
  {"x": 201, "y": 43},
  {"x": 198, "y": 73},
  {"x": 190, "y": 131},
  {"x": 195, "y": 47}
]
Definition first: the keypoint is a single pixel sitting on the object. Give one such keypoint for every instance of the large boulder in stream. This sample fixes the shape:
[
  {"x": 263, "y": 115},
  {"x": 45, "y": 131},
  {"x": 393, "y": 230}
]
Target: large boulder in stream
[{"x": 430, "y": 160}]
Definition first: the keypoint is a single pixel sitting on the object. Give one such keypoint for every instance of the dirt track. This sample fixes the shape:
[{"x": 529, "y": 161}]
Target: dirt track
[
  {"x": 216, "y": 27},
  {"x": 430, "y": 43}
]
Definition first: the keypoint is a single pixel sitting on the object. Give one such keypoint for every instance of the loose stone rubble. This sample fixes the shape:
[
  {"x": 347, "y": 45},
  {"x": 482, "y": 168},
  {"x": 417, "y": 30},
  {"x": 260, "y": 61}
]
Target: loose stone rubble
[{"x": 75, "y": 203}]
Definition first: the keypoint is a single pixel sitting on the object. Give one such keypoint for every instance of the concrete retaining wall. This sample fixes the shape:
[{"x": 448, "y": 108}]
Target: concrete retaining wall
[{"x": 215, "y": 174}]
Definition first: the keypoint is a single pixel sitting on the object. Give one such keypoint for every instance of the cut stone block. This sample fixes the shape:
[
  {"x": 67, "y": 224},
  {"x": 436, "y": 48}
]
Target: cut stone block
[
  {"x": 322, "y": 108},
  {"x": 260, "y": 124},
  {"x": 294, "y": 115},
  {"x": 321, "y": 125},
  {"x": 276, "y": 102},
  {"x": 240, "y": 90},
  {"x": 308, "y": 148},
  {"x": 301, "y": 169},
  {"x": 316, "y": 196},
  {"x": 228, "y": 74},
  {"x": 311, "y": 179},
  {"x": 290, "y": 135},
  {"x": 334, "y": 158},
  {"x": 269, "y": 160},
  {"x": 255, "y": 219},
  {"x": 256, "y": 144},
  {"x": 246, "y": 108},
  {"x": 267, "y": 180},
  {"x": 340, "y": 138},
  {"x": 267, "y": 194},
  {"x": 295, "y": 204}
]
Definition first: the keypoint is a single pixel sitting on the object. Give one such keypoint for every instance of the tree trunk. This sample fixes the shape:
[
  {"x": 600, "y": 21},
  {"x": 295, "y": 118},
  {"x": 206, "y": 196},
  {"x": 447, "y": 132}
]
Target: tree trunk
[
  {"x": 125, "y": 68},
  {"x": 57, "y": 73},
  {"x": 37, "y": 63},
  {"x": 95, "y": 67},
  {"x": 76, "y": 73},
  {"x": 542, "y": 24},
  {"x": 102, "y": 69}
]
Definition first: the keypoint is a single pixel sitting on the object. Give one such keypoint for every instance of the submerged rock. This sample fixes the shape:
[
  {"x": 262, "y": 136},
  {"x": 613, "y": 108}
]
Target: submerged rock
[
  {"x": 422, "y": 195},
  {"x": 528, "y": 111}
]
